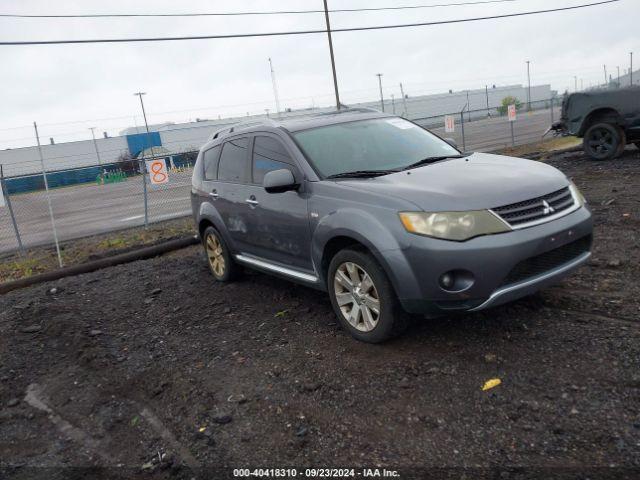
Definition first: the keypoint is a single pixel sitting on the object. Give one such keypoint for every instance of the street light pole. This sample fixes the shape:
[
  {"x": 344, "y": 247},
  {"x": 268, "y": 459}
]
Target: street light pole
[
  {"x": 333, "y": 62},
  {"x": 631, "y": 69},
  {"x": 275, "y": 86},
  {"x": 95, "y": 144},
  {"x": 144, "y": 166},
  {"x": 379, "y": 75},
  {"x": 528, "y": 85},
  {"x": 605, "y": 75},
  {"x": 618, "y": 76},
  {"x": 404, "y": 101}
]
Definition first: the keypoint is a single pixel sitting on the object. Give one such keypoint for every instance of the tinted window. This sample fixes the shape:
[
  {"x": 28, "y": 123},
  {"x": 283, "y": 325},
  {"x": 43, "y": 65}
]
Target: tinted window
[
  {"x": 379, "y": 144},
  {"x": 211, "y": 163},
  {"x": 268, "y": 154},
  {"x": 233, "y": 160}
]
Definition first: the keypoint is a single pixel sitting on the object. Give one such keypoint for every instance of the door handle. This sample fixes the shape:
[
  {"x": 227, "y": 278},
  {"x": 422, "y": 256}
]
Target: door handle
[
  {"x": 252, "y": 201},
  {"x": 214, "y": 194}
]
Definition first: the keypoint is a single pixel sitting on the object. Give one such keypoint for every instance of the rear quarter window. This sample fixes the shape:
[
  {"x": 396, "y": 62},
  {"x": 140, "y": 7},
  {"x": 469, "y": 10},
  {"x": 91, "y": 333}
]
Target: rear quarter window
[{"x": 210, "y": 163}]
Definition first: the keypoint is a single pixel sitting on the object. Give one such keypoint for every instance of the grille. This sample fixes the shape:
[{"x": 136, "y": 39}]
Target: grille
[
  {"x": 534, "y": 266},
  {"x": 537, "y": 208}
]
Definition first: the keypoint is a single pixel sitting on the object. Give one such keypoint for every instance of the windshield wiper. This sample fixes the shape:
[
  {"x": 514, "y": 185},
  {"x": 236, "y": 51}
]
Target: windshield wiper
[
  {"x": 428, "y": 160},
  {"x": 362, "y": 174}
]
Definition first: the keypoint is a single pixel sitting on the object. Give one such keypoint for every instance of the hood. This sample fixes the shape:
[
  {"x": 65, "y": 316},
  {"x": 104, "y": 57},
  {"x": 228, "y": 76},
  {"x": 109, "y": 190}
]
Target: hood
[{"x": 479, "y": 181}]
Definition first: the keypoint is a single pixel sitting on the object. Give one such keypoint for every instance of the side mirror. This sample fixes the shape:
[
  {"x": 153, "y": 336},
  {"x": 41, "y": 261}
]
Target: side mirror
[
  {"x": 451, "y": 142},
  {"x": 278, "y": 181}
]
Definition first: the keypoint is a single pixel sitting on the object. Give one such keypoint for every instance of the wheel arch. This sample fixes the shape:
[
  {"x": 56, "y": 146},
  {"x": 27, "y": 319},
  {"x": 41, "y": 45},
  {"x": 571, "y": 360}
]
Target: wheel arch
[
  {"x": 209, "y": 217},
  {"x": 601, "y": 115}
]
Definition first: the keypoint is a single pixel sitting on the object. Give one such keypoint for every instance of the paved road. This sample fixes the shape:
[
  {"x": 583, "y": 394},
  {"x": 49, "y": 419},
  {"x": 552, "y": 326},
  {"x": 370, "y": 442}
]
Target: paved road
[{"x": 91, "y": 209}]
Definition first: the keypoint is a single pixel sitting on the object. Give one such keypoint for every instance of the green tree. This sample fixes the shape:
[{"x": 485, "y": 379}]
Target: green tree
[{"x": 506, "y": 101}]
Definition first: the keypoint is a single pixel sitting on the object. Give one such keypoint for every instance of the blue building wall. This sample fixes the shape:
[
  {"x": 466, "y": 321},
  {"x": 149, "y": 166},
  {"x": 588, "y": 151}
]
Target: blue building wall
[{"x": 139, "y": 141}]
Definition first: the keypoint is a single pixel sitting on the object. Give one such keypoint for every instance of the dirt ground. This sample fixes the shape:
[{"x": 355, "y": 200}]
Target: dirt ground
[{"x": 152, "y": 370}]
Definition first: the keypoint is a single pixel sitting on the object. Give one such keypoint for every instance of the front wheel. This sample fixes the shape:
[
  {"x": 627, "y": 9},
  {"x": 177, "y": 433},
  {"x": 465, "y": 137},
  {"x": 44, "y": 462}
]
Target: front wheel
[
  {"x": 363, "y": 298},
  {"x": 604, "y": 141}
]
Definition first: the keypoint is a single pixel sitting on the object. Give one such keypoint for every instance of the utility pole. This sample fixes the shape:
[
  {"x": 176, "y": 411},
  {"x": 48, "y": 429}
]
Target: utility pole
[
  {"x": 46, "y": 187},
  {"x": 144, "y": 165},
  {"x": 529, "y": 85},
  {"x": 404, "y": 101},
  {"x": 631, "y": 69},
  {"x": 486, "y": 94},
  {"x": 333, "y": 62},
  {"x": 379, "y": 75},
  {"x": 605, "y": 75},
  {"x": 618, "y": 77},
  {"x": 393, "y": 104},
  {"x": 275, "y": 86},
  {"x": 95, "y": 144},
  {"x": 575, "y": 81}
]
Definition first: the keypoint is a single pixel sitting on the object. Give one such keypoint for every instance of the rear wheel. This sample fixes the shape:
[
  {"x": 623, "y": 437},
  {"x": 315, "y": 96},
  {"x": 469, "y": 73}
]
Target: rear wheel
[
  {"x": 222, "y": 266},
  {"x": 363, "y": 298},
  {"x": 604, "y": 141}
]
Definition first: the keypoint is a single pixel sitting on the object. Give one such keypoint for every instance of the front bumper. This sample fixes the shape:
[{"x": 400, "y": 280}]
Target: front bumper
[{"x": 416, "y": 270}]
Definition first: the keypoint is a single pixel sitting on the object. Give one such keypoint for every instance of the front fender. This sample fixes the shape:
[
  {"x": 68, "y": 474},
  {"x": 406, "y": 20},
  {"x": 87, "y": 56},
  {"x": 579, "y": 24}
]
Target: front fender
[{"x": 367, "y": 229}]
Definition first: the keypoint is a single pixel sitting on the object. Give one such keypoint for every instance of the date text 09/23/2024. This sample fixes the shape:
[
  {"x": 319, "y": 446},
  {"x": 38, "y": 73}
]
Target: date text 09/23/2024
[{"x": 316, "y": 473}]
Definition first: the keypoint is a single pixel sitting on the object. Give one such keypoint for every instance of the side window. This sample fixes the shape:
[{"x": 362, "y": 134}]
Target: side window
[
  {"x": 210, "y": 159},
  {"x": 233, "y": 160},
  {"x": 268, "y": 154}
]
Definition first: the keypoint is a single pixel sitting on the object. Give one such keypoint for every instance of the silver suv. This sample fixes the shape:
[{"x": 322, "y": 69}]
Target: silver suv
[{"x": 385, "y": 216}]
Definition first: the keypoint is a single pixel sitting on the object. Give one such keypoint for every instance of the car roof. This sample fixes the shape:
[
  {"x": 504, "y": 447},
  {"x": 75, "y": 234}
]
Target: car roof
[{"x": 295, "y": 124}]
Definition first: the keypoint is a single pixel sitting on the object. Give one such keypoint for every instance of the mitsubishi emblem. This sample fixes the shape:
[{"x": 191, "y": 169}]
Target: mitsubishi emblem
[{"x": 547, "y": 209}]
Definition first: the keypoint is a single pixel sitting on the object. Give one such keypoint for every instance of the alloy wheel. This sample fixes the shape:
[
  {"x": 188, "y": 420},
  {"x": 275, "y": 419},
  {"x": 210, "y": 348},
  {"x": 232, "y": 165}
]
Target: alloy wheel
[
  {"x": 214, "y": 254},
  {"x": 357, "y": 296}
]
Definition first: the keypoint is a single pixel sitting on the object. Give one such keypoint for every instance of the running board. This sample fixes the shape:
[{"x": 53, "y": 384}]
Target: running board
[{"x": 254, "y": 262}]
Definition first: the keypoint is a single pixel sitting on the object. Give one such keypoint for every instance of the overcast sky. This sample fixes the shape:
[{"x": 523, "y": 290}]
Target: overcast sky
[{"x": 94, "y": 84}]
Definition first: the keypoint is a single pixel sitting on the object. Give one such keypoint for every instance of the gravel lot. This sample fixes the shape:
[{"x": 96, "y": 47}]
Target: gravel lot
[{"x": 153, "y": 361}]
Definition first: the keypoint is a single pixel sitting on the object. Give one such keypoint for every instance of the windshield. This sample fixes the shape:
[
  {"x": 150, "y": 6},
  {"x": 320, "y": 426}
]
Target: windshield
[{"x": 377, "y": 144}]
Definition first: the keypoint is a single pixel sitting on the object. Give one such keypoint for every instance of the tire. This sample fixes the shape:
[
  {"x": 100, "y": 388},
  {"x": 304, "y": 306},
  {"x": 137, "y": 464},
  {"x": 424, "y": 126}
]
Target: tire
[
  {"x": 219, "y": 259},
  {"x": 357, "y": 281},
  {"x": 604, "y": 141}
]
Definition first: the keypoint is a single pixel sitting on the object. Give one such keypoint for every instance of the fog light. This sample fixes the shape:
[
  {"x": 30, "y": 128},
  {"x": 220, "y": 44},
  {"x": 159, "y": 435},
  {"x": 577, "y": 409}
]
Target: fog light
[
  {"x": 447, "y": 280},
  {"x": 455, "y": 281}
]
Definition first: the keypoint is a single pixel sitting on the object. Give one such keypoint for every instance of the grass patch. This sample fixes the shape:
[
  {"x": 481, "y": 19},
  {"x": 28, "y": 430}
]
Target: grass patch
[
  {"x": 544, "y": 147},
  {"x": 37, "y": 260}
]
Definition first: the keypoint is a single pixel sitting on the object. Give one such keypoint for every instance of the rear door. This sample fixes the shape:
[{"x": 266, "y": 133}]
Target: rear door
[
  {"x": 232, "y": 189},
  {"x": 278, "y": 226}
]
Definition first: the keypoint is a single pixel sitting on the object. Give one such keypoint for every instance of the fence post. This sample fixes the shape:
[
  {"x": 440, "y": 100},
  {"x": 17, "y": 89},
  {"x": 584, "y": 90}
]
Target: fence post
[
  {"x": 143, "y": 169},
  {"x": 513, "y": 138},
  {"x": 5, "y": 192},
  {"x": 464, "y": 142},
  {"x": 46, "y": 187}
]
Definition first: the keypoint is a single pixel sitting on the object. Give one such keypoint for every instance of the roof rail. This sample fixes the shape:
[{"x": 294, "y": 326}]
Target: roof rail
[{"x": 242, "y": 125}]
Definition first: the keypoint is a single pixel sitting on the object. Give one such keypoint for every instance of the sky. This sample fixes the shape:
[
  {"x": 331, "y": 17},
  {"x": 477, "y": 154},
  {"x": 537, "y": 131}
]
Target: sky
[{"x": 69, "y": 88}]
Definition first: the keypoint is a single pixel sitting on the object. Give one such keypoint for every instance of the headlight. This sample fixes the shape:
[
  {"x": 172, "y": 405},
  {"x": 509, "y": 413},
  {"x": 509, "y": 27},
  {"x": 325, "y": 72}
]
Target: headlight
[
  {"x": 577, "y": 195},
  {"x": 458, "y": 226}
]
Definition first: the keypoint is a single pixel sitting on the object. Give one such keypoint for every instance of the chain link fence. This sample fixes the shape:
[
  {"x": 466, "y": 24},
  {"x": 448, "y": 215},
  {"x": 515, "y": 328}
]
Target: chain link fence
[{"x": 102, "y": 198}]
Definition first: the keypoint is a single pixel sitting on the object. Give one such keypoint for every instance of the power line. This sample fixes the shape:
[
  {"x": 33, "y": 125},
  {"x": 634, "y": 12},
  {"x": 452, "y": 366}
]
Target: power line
[
  {"x": 234, "y": 14},
  {"x": 300, "y": 32}
]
